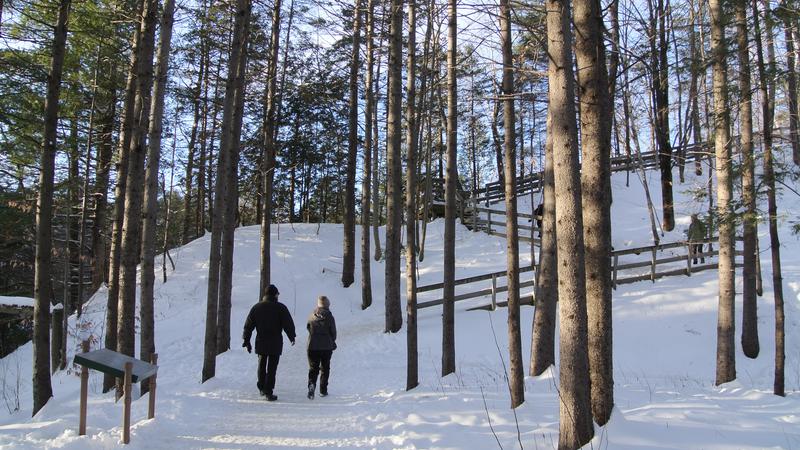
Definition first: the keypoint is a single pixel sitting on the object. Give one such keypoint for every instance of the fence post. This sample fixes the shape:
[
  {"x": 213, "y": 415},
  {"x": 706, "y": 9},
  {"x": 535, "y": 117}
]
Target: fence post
[
  {"x": 489, "y": 221},
  {"x": 126, "y": 404},
  {"x": 494, "y": 292},
  {"x": 84, "y": 392},
  {"x": 653, "y": 265},
  {"x": 474, "y": 203},
  {"x": 151, "y": 405}
]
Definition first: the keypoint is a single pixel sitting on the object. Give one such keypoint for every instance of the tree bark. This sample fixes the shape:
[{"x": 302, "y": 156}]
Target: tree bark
[
  {"x": 349, "y": 239},
  {"x": 42, "y": 289},
  {"x": 412, "y": 363},
  {"x": 366, "y": 187},
  {"x": 517, "y": 376},
  {"x": 575, "y": 425},
  {"x": 750, "y": 344},
  {"x": 268, "y": 170},
  {"x": 596, "y": 205},
  {"x": 767, "y": 92},
  {"x": 394, "y": 188},
  {"x": 546, "y": 294},
  {"x": 726, "y": 348},
  {"x": 230, "y": 215},
  {"x": 131, "y": 225},
  {"x": 791, "y": 79},
  {"x": 451, "y": 178},
  {"x": 147, "y": 320},
  {"x": 242, "y": 16},
  {"x": 660, "y": 75},
  {"x": 192, "y": 152},
  {"x": 123, "y": 160}
]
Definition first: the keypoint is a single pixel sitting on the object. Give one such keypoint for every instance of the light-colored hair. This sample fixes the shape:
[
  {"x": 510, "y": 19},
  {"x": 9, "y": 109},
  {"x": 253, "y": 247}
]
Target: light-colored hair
[{"x": 323, "y": 302}]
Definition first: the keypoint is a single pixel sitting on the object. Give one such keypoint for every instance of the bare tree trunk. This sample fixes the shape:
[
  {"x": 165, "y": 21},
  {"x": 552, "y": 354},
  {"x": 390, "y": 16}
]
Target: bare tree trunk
[
  {"x": 366, "y": 187},
  {"x": 546, "y": 294},
  {"x": 412, "y": 363},
  {"x": 517, "y": 376},
  {"x": 192, "y": 150},
  {"x": 131, "y": 228},
  {"x": 394, "y": 188},
  {"x": 596, "y": 205},
  {"x": 726, "y": 348},
  {"x": 123, "y": 161},
  {"x": 268, "y": 170},
  {"x": 230, "y": 214},
  {"x": 658, "y": 47},
  {"x": 242, "y": 16},
  {"x": 498, "y": 146},
  {"x": 42, "y": 387},
  {"x": 376, "y": 198},
  {"x": 694, "y": 97},
  {"x": 791, "y": 78},
  {"x": 767, "y": 93},
  {"x": 451, "y": 178},
  {"x": 147, "y": 320},
  {"x": 750, "y": 344},
  {"x": 349, "y": 239},
  {"x": 85, "y": 189},
  {"x": 575, "y": 425},
  {"x": 99, "y": 244}
]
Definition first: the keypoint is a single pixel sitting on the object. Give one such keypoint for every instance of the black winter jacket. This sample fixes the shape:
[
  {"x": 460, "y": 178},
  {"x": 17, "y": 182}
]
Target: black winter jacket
[
  {"x": 321, "y": 330},
  {"x": 269, "y": 318}
]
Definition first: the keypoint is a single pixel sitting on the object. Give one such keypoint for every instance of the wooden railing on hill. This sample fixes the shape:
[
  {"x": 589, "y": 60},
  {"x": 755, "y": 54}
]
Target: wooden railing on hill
[
  {"x": 650, "y": 259},
  {"x": 495, "y": 191}
]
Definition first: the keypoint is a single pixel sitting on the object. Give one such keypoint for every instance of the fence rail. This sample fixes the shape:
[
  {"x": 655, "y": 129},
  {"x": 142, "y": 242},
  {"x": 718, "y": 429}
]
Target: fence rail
[{"x": 649, "y": 259}]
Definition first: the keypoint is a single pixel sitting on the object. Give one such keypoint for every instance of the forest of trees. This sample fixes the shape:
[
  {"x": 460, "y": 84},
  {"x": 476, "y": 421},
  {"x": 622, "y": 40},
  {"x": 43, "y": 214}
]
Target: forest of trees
[{"x": 128, "y": 128}]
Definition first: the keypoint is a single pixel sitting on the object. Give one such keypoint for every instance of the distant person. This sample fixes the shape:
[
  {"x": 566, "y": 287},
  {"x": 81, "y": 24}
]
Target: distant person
[
  {"x": 697, "y": 235},
  {"x": 321, "y": 344},
  {"x": 537, "y": 214},
  {"x": 269, "y": 317}
]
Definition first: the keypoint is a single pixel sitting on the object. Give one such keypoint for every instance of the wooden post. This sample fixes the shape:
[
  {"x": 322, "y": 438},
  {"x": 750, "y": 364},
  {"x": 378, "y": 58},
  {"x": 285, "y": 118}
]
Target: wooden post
[
  {"x": 474, "y": 203},
  {"x": 689, "y": 258},
  {"x": 126, "y": 411},
  {"x": 653, "y": 265},
  {"x": 489, "y": 221},
  {"x": 84, "y": 392},
  {"x": 151, "y": 405},
  {"x": 494, "y": 292},
  {"x": 614, "y": 276}
]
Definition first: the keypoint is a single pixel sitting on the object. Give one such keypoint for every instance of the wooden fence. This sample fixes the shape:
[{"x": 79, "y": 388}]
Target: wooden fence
[
  {"x": 495, "y": 191},
  {"x": 643, "y": 257}
]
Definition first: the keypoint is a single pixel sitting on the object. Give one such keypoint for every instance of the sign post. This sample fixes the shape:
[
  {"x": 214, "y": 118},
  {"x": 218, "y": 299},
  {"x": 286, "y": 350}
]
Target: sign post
[{"x": 132, "y": 370}]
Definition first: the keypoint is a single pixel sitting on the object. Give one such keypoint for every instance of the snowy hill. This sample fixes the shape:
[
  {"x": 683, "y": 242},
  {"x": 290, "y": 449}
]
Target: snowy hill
[{"x": 664, "y": 359}]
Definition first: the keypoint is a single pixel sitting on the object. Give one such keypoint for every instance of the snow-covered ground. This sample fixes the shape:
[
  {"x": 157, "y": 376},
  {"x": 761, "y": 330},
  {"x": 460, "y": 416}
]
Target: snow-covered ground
[{"x": 664, "y": 359}]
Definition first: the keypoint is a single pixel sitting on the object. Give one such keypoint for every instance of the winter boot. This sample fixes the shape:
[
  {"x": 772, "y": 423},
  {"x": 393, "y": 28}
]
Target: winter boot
[
  {"x": 311, "y": 389},
  {"x": 271, "y": 398}
]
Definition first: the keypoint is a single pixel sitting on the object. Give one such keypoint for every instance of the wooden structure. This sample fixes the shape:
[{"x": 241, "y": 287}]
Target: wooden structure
[
  {"x": 646, "y": 257},
  {"x": 131, "y": 370}
]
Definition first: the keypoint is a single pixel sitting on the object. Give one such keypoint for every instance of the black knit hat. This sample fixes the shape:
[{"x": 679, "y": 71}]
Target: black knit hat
[{"x": 272, "y": 291}]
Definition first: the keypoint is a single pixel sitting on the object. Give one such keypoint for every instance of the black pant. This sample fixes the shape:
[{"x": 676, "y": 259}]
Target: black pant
[
  {"x": 267, "y": 367},
  {"x": 697, "y": 250},
  {"x": 317, "y": 358}
]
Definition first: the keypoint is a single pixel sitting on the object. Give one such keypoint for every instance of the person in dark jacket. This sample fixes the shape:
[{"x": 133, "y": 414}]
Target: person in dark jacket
[
  {"x": 269, "y": 318},
  {"x": 321, "y": 344},
  {"x": 697, "y": 235}
]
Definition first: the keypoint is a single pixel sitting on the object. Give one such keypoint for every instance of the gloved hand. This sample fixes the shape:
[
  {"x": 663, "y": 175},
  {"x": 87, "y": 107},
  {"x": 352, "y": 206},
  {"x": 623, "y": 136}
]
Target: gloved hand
[
  {"x": 292, "y": 341},
  {"x": 246, "y": 344}
]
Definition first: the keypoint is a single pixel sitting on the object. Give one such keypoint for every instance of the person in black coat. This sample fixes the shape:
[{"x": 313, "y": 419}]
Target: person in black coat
[
  {"x": 321, "y": 344},
  {"x": 269, "y": 318}
]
